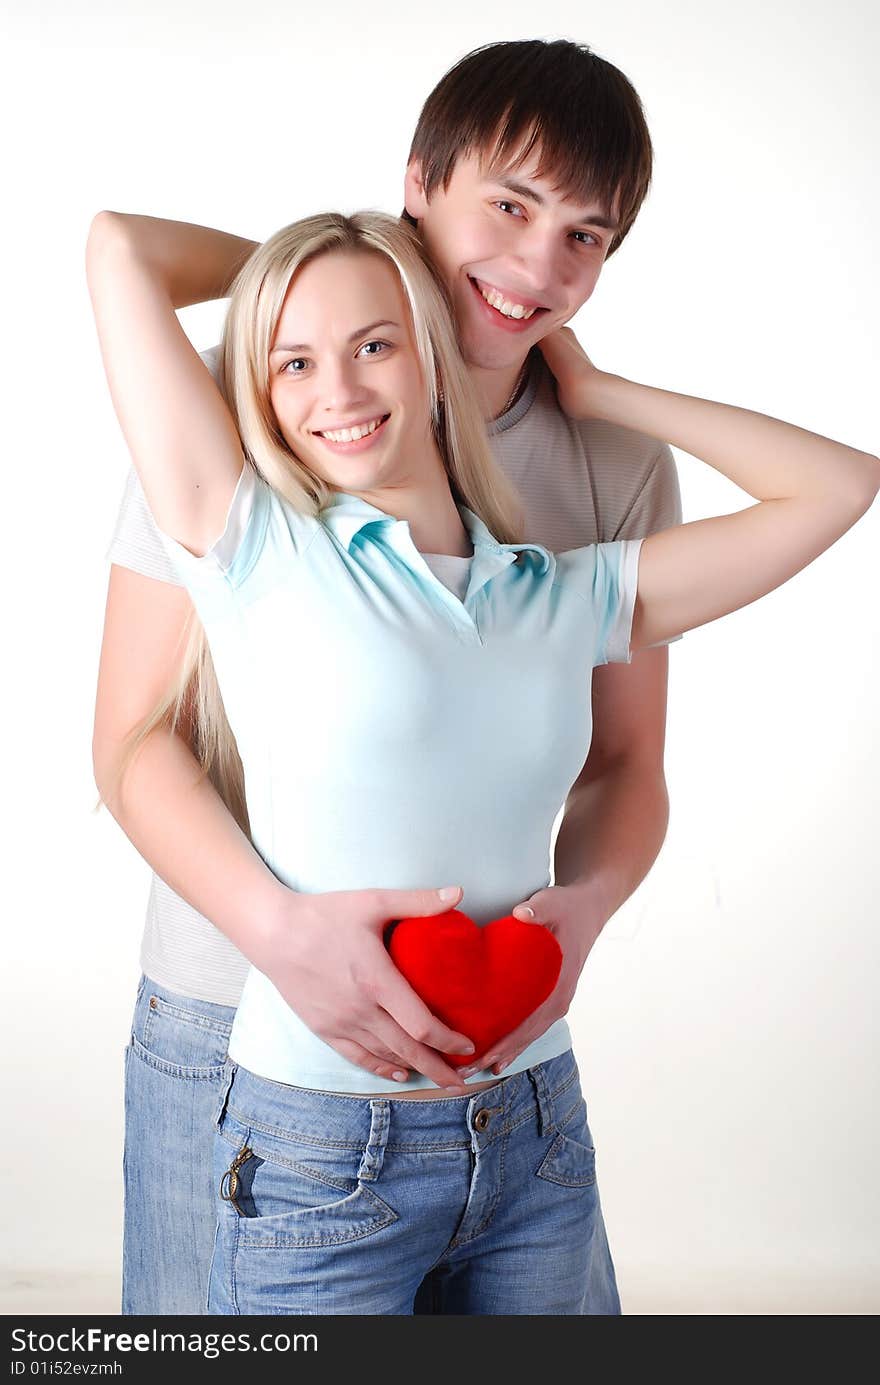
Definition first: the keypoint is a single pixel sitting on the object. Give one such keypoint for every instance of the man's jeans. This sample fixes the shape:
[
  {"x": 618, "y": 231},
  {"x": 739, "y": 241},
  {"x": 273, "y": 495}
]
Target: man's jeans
[
  {"x": 174, "y": 1078},
  {"x": 333, "y": 1204},
  {"x": 503, "y": 1219}
]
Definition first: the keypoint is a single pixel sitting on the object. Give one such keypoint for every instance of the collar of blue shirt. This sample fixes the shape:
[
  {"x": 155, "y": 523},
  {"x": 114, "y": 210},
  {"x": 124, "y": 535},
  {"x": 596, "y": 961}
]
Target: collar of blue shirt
[{"x": 346, "y": 515}]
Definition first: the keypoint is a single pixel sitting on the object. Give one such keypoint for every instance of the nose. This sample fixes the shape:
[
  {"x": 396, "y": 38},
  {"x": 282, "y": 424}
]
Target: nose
[
  {"x": 342, "y": 386},
  {"x": 541, "y": 264}
]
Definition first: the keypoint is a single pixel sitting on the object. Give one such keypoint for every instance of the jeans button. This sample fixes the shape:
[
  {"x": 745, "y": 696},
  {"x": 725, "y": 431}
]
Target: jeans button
[{"x": 481, "y": 1119}]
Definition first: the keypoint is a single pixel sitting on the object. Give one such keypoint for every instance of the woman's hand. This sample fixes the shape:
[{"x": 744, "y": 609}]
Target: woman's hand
[
  {"x": 576, "y": 376},
  {"x": 328, "y": 960},
  {"x": 565, "y": 911}
]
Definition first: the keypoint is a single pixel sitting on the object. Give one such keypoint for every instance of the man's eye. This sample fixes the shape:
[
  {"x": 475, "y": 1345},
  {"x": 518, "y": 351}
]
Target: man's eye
[
  {"x": 588, "y": 238},
  {"x": 510, "y": 207}
]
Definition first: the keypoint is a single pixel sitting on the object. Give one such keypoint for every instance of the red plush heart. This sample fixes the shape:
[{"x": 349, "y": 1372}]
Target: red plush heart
[{"x": 482, "y": 982}]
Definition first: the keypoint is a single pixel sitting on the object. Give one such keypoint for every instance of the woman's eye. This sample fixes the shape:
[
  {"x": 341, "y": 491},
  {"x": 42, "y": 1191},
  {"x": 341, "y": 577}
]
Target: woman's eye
[
  {"x": 373, "y": 348},
  {"x": 296, "y": 366}
]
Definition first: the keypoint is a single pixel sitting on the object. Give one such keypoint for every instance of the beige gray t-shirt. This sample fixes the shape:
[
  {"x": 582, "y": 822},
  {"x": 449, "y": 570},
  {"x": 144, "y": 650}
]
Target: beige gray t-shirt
[{"x": 580, "y": 483}]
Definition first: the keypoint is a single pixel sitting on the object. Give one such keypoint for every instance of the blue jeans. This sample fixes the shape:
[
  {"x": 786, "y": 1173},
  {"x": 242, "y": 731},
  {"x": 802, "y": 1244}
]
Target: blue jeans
[
  {"x": 174, "y": 1078},
  {"x": 332, "y": 1204}
]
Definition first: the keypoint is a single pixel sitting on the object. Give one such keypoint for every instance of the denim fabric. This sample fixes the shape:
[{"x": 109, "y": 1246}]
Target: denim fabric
[
  {"x": 336, "y": 1204},
  {"x": 174, "y": 1077}
]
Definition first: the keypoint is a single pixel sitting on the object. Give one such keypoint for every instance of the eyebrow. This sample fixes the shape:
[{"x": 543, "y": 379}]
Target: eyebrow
[
  {"x": 361, "y": 332},
  {"x": 530, "y": 195}
]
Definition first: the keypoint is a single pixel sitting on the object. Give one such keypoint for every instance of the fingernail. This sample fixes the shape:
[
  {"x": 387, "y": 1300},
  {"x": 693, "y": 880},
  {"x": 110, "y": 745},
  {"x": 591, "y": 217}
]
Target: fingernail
[
  {"x": 456, "y": 1091},
  {"x": 524, "y": 909},
  {"x": 468, "y": 1047},
  {"x": 499, "y": 1067},
  {"x": 448, "y": 892},
  {"x": 467, "y": 1072},
  {"x": 400, "y": 1076}
]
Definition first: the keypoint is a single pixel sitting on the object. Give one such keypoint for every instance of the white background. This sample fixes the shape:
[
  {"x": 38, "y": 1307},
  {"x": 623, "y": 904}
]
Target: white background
[{"x": 726, "y": 1023}]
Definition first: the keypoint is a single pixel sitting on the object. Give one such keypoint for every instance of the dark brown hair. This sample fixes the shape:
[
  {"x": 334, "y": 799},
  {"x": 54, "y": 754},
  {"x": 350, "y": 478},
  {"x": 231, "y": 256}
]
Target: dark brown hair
[{"x": 577, "y": 112}]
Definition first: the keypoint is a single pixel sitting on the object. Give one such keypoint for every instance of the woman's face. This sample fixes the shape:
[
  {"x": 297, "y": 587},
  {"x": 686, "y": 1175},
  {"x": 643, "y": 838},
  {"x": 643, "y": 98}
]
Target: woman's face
[{"x": 345, "y": 377}]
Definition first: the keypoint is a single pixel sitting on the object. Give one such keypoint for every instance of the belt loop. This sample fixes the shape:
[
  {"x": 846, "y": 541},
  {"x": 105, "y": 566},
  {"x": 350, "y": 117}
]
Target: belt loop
[
  {"x": 228, "y": 1079},
  {"x": 538, "y": 1080},
  {"x": 374, "y": 1154}
]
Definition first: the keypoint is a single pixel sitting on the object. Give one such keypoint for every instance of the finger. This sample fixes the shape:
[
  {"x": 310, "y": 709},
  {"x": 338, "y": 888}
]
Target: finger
[
  {"x": 356, "y": 1053},
  {"x": 418, "y": 1056},
  {"x": 423, "y": 1057},
  {"x": 511, "y": 1045},
  {"x": 390, "y": 1044},
  {"x": 404, "y": 904},
  {"x": 564, "y": 353},
  {"x": 538, "y": 908},
  {"x": 496, "y": 1063},
  {"x": 376, "y": 1042},
  {"x": 396, "y": 995},
  {"x": 566, "y": 339},
  {"x": 555, "y": 345}
]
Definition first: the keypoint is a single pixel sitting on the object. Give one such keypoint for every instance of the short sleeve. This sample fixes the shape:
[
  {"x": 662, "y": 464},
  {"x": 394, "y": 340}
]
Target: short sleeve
[
  {"x": 233, "y": 556},
  {"x": 656, "y": 507},
  {"x": 605, "y": 578},
  {"x": 136, "y": 543}
]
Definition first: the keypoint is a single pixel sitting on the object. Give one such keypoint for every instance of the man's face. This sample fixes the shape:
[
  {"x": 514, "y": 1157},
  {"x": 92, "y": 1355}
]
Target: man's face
[{"x": 518, "y": 257}]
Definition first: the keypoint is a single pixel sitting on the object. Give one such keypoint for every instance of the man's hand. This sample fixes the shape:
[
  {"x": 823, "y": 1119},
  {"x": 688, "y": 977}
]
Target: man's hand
[
  {"x": 576, "y": 376},
  {"x": 565, "y": 910},
  {"x": 327, "y": 957}
]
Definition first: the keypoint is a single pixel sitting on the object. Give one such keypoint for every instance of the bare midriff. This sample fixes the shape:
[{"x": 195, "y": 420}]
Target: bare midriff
[{"x": 432, "y": 1095}]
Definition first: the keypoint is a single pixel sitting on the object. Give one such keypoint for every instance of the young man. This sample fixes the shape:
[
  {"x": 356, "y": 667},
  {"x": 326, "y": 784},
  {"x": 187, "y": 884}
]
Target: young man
[{"x": 527, "y": 169}]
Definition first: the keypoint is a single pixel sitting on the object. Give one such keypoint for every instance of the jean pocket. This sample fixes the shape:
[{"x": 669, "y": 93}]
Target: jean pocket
[
  {"x": 571, "y": 1158},
  {"x": 307, "y": 1196},
  {"x": 181, "y": 1037}
]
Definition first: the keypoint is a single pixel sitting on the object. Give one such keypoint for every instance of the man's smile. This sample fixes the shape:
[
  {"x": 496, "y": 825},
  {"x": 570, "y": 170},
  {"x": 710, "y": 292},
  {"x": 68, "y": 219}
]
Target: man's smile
[{"x": 506, "y": 307}]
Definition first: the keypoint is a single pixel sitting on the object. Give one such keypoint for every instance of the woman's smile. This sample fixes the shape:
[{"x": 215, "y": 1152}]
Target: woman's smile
[{"x": 354, "y": 437}]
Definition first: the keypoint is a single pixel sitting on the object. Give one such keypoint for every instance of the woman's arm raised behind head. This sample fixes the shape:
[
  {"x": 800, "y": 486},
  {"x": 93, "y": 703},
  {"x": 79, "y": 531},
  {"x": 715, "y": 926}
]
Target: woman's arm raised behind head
[{"x": 178, "y": 428}]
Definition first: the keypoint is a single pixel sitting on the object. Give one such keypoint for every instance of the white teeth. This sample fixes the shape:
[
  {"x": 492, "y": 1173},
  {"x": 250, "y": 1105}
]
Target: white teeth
[
  {"x": 504, "y": 305},
  {"x": 351, "y": 434}
]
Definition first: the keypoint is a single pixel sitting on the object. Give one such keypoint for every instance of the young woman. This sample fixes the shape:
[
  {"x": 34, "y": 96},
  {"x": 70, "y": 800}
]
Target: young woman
[{"x": 367, "y": 605}]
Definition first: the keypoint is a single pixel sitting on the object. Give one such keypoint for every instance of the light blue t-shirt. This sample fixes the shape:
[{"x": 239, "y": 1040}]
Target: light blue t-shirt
[{"x": 392, "y": 735}]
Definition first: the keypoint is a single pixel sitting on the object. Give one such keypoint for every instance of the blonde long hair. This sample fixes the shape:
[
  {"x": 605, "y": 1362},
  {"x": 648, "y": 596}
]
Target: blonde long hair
[{"x": 256, "y": 301}]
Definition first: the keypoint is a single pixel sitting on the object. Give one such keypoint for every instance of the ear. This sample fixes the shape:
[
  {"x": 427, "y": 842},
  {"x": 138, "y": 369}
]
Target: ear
[{"x": 414, "y": 198}]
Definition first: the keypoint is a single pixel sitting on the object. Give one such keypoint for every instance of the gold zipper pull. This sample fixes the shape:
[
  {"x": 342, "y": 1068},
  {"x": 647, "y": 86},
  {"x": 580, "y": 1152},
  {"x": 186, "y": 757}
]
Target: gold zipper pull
[{"x": 229, "y": 1181}]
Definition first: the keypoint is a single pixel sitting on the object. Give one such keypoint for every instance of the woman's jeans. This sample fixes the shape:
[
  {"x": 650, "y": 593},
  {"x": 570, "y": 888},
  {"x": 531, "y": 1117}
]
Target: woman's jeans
[
  {"x": 332, "y": 1204},
  {"x": 465, "y": 1217}
]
